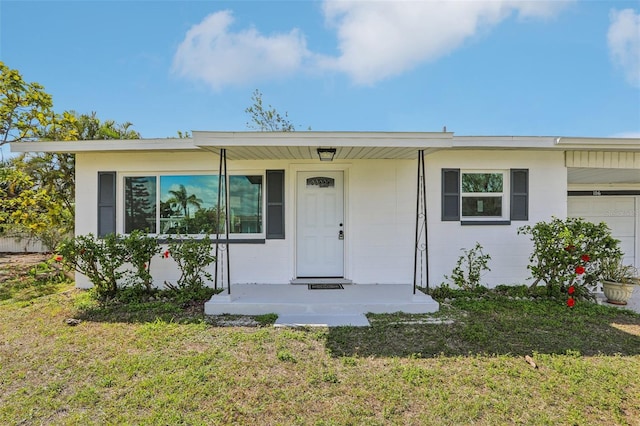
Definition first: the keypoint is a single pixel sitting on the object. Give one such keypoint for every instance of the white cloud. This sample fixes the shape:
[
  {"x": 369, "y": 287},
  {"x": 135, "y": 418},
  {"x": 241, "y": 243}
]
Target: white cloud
[
  {"x": 624, "y": 43},
  {"x": 376, "y": 39},
  {"x": 212, "y": 53},
  {"x": 382, "y": 39}
]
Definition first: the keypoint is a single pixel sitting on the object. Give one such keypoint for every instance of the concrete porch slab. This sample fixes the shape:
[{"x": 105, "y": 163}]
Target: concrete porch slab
[
  {"x": 331, "y": 320},
  {"x": 287, "y": 299},
  {"x": 305, "y": 281}
]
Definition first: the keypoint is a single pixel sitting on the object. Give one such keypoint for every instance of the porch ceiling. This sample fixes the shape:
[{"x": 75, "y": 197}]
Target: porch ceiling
[
  {"x": 310, "y": 152},
  {"x": 583, "y": 175}
]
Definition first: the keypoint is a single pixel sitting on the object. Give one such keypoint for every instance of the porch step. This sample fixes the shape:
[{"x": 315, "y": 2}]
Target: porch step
[{"x": 308, "y": 320}]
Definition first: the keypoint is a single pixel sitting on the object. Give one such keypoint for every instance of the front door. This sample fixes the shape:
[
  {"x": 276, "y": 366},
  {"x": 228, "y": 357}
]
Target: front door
[{"x": 320, "y": 225}]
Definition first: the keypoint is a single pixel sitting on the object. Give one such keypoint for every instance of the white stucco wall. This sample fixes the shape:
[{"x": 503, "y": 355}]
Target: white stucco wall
[
  {"x": 380, "y": 197},
  {"x": 509, "y": 252}
]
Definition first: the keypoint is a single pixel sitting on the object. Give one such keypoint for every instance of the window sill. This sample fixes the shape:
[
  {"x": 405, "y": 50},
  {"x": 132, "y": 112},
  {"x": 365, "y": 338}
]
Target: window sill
[
  {"x": 485, "y": 222},
  {"x": 214, "y": 241}
]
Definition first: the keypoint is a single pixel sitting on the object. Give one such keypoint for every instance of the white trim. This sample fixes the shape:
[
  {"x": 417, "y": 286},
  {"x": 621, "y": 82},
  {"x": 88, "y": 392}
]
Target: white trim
[
  {"x": 120, "y": 201},
  {"x": 324, "y": 139},
  {"x": 632, "y": 144},
  {"x": 284, "y": 141},
  {"x": 115, "y": 145},
  {"x": 504, "y": 195}
]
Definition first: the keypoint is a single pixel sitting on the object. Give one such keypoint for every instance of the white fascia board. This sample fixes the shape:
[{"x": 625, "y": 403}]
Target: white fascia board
[
  {"x": 111, "y": 145},
  {"x": 323, "y": 139},
  {"x": 610, "y": 144},
  {"x": 504, "y": 142}
]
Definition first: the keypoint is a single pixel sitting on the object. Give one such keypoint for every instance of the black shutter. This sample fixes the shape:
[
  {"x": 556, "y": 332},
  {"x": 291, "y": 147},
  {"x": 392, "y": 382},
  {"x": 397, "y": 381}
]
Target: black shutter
[
  {"x": 106, "y": 203},
  {"x": 275, "y": 204},
  {"x": 450, "y": 194},
  {"x": 519, "y": 194}
]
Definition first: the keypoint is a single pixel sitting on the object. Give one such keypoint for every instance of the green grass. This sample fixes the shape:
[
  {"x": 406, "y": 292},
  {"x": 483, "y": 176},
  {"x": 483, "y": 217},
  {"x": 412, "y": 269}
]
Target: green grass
[{"x": 163, "y": 363}]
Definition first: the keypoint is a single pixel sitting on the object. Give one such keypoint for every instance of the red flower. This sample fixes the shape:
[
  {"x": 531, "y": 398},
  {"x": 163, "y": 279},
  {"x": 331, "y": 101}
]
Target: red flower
[
  {"x": 571, "y": 302},
  {"x": 580, "y": 270},
  {"x": 144, "y": 266},
  {"x": 166, "y": 254},
  {"x": 570, "y": 248},
  {"x": 571, "y": 289},
  {"x": 58, "y": 258},
  {"x": 585, "y": 258}
]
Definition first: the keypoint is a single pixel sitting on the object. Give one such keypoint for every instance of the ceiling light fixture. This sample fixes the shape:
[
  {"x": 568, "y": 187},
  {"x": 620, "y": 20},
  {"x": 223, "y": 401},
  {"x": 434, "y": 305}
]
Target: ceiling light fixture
[{"x": 326, "y": 154}]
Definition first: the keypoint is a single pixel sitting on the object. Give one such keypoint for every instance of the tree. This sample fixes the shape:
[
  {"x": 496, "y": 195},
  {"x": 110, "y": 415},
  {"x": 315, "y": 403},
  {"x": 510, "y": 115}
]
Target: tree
[
  {"x": 24, "y": 107},
  {"x": 181, "y": 198},
  {"x": 27, "y": 207},
  {"x": 37, "y": 191},
  {"x": 112, "y": 130},
  {"x": 205, "y": 221},
  {"x": 267, "y": 120}
]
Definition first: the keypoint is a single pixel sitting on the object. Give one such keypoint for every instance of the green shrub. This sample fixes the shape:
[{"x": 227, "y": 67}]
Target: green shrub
[
  {"x": 193, "y": 257},
  {"x": 469, "y": 267},
  {"x": 139, "y": 250},
  {"x": 569, "y": 255},
  {"x": 112, "y": 262},
  {"x": 100, "y": 260},
  {"x": 120, "y": 266}
]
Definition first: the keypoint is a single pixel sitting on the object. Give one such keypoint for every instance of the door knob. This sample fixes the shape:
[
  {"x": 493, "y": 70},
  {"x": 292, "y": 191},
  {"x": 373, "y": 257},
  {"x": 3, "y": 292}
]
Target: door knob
[{"x": 341, "y": 235}]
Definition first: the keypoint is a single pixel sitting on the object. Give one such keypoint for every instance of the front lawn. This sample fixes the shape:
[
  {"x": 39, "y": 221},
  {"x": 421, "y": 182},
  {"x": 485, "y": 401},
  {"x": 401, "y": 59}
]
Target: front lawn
[{"x": 163, "y": 363}]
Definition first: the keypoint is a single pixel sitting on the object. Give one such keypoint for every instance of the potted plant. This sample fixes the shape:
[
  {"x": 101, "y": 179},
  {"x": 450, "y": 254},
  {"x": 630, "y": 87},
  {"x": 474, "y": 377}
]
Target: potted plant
[{"x": 618, "y": 280}]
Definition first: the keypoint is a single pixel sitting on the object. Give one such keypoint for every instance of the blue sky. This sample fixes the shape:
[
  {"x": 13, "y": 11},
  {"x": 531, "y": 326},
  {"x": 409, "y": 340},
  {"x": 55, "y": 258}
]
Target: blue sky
[{"x": 499, "y": 67}]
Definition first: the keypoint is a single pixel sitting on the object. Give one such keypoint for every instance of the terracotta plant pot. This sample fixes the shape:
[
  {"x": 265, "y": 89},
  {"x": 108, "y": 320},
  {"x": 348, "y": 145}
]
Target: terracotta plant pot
[{"x": 617, "y": 293}]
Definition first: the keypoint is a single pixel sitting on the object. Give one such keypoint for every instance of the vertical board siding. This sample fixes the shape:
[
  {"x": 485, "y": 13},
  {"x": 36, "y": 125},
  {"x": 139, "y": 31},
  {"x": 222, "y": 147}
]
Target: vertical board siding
[{"x": 603, "y": 159}]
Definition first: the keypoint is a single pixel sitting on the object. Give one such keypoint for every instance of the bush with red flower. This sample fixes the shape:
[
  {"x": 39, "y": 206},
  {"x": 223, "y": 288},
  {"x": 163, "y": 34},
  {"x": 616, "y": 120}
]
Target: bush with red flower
[
  {"x": 568, "y": 254},
  {"x": 112, "y": 262},
  {"x": 117, "y": 262}
]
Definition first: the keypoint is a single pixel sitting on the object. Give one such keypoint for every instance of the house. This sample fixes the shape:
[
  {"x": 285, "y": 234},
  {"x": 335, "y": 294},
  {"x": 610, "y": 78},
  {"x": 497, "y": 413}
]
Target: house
[{"x": 355, "y": 207}]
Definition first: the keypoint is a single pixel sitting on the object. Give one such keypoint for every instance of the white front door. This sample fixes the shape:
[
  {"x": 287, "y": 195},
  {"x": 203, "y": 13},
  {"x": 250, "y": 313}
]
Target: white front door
[{"x": 320, "y": 225}]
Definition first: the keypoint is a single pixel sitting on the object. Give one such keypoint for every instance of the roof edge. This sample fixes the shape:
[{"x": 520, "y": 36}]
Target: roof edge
[{"x": 110, "y": 145}]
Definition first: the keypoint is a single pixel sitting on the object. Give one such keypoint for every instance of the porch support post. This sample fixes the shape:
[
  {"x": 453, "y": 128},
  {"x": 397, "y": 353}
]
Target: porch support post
[
  {"x": 227, "y": 220},
  {"x": 223, "y": 185},
  {"x": 421, "y": 251}
]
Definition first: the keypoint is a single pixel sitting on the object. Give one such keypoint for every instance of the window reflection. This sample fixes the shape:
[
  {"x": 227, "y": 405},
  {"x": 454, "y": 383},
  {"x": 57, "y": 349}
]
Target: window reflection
[
  {"x": 140, "y": 203},
  {"x": 188, "y": 204}
]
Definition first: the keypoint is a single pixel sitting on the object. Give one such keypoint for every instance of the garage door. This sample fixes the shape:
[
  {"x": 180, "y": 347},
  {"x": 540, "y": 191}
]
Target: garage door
[{"x": 617, "y": 212}]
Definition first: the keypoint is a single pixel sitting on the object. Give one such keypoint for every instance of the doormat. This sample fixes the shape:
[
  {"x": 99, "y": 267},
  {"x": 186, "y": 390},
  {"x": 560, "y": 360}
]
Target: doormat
[{"x": 325, "y": 286}]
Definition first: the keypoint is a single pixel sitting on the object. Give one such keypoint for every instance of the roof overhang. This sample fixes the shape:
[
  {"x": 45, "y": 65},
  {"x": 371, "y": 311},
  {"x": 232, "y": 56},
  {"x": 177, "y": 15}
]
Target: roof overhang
[
  {"x": 304, "y": 145},
  {"x": 599, "y": 144},
  {"x": 348, "y": 145},
  {"x": 267, "y": 145},
  {"x": 115, "y": 145}
]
